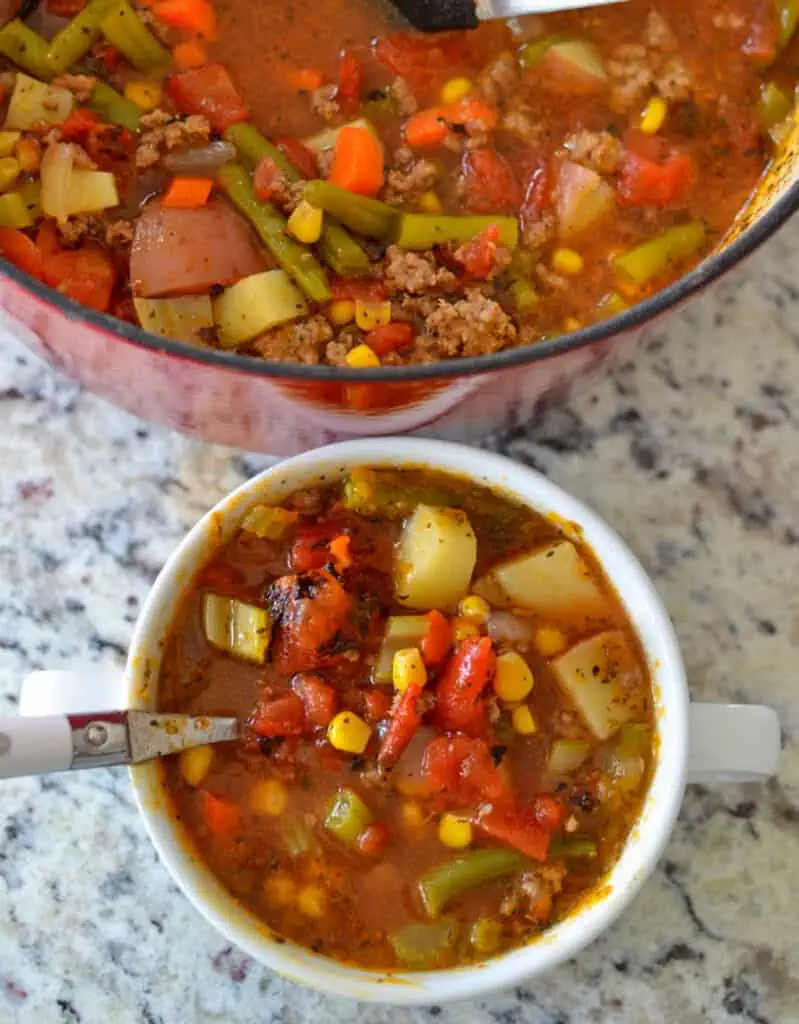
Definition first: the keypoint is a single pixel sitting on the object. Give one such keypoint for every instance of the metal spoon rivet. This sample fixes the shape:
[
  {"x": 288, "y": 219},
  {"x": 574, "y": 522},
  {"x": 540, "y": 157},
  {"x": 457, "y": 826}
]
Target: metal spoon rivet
[{"x": 96, "y": 734}]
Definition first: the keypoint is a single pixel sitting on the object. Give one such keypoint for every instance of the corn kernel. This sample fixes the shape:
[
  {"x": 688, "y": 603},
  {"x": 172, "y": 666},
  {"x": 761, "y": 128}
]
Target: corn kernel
[
  {"x": 280, "y": 889},
  {"x": 7, "y": 142},
  {"x": 311, "y": 901},
  {"x": 412, "y": 814},
  {"x": 9, "y": 172},
  {"x": 145, "y": 95},
  {"x": 362, "y": 357},
  {"x": 195, "y": 762},
  {"x": 430, "y": 203},
  {"x": 455, "y": 89},
  {"x": 407, "y": 669},
  {"x": 305, "y": 223},
  {"x": 454, "y": 832},
  {"x": 653, "y": 115},
  {"x": 513, "y": 679},
  {"x": 567, "y": 261},
  {"x": 349, "y": 733},
  {"x": 486, "y": 934},
  {"x": 269, "y": 797},
  {"x": 571, "y": 323},
  {"x": 549, "y": 641},
  {"x": 474, "y": 609},
  {"x": 522, "y": 720},
  {"x": 462, "y": 630},
  {"x": 369, "y": 315},
  {"x": 341, "y": 312}
]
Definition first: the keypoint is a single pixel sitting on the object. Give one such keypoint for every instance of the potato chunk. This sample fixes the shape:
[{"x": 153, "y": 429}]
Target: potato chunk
[
  {"x": 435, "y": 558},
  {"x": 602, "y": 678},
  {"x": 553, "y": 581}
]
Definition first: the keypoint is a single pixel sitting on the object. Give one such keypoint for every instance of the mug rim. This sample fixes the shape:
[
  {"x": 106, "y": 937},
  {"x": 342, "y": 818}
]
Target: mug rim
[{"x": 648, "y": 836}]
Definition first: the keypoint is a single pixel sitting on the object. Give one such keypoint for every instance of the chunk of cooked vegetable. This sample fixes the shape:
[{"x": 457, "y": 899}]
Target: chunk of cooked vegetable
[
  {"x": 33, "y": 103},
  {"x": 347, "y": 816},
  {"x": 401, "y": 631},
  {"x": 446, "y": 883},
  {"x": 269, "y": 521},
  {"x": 359, "y": 213},
  {"x": 348, "y": 732},
  {"x": 553, "y": 581},
  {"x": 601, "y": 677},
  {"x": 655, "y": 257},
  {"x": 435, "y": 558},
  {"x": 26, "y": 49},
  {"x": 424, "y": 946},
  {"x": 195, "y": 763},
  {"x": 425, "y": 230},
  {"x": 567, "y": 755},
  {"x": 255, "y": 305},
  {"x": 182, "y": 318},
  {"x": 114, "y": 108},
  {"x": 325, "y": 141},
  {"x": 573, "y": 846},
  {"x": 583, "y": 200},
  {"x": 78, "y": 36},
  {"x": 242, "y": 630},
  {"x": 576, "y": 65},
  {"x": 123, "y": 28},
  {"x": 67, "y": 190}
]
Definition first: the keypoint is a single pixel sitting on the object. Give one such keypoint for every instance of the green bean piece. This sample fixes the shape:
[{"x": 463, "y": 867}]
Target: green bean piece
[
  {"x": 114, "y": 108},
  {"x": 14, "y": 212},
  {"x": 375, "y": 493},
  {"x": 26, "y": 49},
  {"x": 358, "y": 213},
  {"x": 252, "y": 147},
  {"x": 77, "y": 37},
  {"x": 788, "y": 19},
  {"x": 422, "y": 946},
  {"x": 425, "y": 230},
  {"x": 655, "y": 257},
  {"x": 336, "y": 247},
  {"x": 573, "y": 846},
  {"x": 125, "y": 30},
  {"x": 446, "y": 883},
  {"x": 270, "y": 224},
  {"x": 347, "y": 816}
]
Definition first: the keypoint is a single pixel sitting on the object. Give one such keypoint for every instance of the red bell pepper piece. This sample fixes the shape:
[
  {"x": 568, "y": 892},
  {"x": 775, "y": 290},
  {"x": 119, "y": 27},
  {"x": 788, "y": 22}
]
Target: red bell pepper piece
[
  {"x": 526, "y": 828},
  {"x": 404, "y": 723},
  {"x": 458, "y": 706},
  {"x": 437, "y": 640},
  {"x": 462, "y": 769}
]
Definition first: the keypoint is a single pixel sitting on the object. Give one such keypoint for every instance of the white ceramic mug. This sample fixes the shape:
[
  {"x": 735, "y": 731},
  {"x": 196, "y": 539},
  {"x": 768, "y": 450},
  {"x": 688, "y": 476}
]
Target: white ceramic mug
[{"x": 704, "y": 742}]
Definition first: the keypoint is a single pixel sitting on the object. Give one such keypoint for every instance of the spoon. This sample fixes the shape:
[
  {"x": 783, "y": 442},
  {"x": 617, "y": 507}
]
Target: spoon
[
  {"x": 58, "y": 743},
  {"x": 441, "y": 15}
]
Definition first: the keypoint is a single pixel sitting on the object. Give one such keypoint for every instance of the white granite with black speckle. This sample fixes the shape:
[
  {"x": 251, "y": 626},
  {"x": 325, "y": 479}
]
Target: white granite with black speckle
[{"x": 691, "y": 452}]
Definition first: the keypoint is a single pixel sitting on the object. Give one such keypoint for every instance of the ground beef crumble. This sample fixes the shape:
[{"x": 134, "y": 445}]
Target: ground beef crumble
[
  {"x": 324, "y": 104},
  {"x": 302, "y": 342},
  {"x": 81, "y": 86},
  {"x": 409, "y": 179},
  {"x": 472, "y": 326},
  {"x": 166, "y": 132},
  {"x": 599, "y": 151},
  {"x": 403, "y": 97},
  {"x": 500, "y": 80},
  {"x": 414, "y": 272},
  {"x": 637, "y": 71}
]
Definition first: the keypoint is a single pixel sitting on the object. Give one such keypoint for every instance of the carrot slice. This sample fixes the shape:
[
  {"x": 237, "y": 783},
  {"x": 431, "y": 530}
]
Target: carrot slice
[
  {"x": 357, "y": 161},
  {"x": 86, "y": 275},
  {"x": 191, "y": 54},
  {"x": 427, "y": 128},
  {"x": 187, "y": 193},
  {"x": 196, "y": 16},
  {"x": 305, "y": 79},
  {"x": 22, "y": 251}
]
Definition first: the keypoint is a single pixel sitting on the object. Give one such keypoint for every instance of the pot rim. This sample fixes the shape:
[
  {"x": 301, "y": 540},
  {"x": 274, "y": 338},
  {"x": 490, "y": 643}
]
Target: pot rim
[{"x": 636, "y": 316}]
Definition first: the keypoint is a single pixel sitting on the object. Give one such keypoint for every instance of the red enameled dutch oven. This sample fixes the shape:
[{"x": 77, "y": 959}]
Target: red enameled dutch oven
[{"x": 284, "y": 408}]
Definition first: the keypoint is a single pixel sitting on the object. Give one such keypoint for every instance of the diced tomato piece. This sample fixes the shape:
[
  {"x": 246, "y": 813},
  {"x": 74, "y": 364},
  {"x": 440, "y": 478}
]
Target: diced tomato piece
[
  {"x": 374, "y": 839},
  {"x": 208, "y": 90},
  {"x": 65, "y": 8},
  {"x": 390, "y": 337},
  {"x": 422, "y": 60},
  {"x": 314, "y": 608},
  {"x": 310, "y": 550},
  {"x": 405, "y": 720},
  {"x": 222, "y": 816},
  {"x": 489, "y": 182},
  {"x": 47, "y": 240},
  {"x": 654, "y": 177},
  {"x": 458, "y": 705},
  {"x": 437, "y": 640},
  {"x": 377, "y": 704},
  {"x": 79, "y": 123},
  {"x": 266, "y": 180},
  {"x": 479, "y": 256},
  {"x": 303, "y": 158},
  {"x": 281, "y": 716},
  {"x": 461, "y": 769},
  {"x": 350, "y": 83},
  {"x": 86, "y": 275},
  {"x": 22, "y": 251},
  {"x": 319, "y": 699},
  {"x": 367, "y": 289},
  {"x": 527, "y": 828}
]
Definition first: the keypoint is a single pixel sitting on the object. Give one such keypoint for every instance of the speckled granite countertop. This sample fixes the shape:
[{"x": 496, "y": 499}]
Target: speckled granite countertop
[{"x": 692, "y": 453}]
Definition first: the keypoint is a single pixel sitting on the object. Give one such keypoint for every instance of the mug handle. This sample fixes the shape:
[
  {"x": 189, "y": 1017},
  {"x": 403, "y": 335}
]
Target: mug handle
[
  {"x": 73, "y": 692},
  {"x": 732, "y": 742}
]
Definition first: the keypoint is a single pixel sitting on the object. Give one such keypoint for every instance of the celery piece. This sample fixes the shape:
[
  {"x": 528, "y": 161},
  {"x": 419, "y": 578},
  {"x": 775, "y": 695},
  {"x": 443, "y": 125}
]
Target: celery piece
[
  {"x": 26, "y": 49},
  {"x": 114, "y": 108},
  {"x": 659, "y": 254},
  {"x": 423, "y": 946},
  {"x": 78, "y": 36},
  {"x": 443, "y": 884},
  {"x": 531, "y": 52},
  {"x": 347, "y": 816},
  {"x": 425, "y": 230},
  {"x": 567, "y": 755},
  {"x": 401, "y": 631},
  {"x": 573, "y": 846},
  {"x": 125, "y": 30},
  {"x": 269, "y": 521},
  {"x": 242, "y": 630},
  {"x": 13, "y": 211}
]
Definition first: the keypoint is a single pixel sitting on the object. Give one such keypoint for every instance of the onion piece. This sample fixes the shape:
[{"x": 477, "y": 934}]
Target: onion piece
[
  {"x": 56, "y": 176},
  {"x": 511, "y": 630},
  {"x": 203, "y": 162}
]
